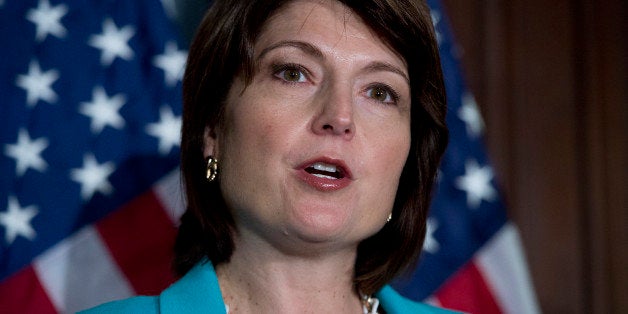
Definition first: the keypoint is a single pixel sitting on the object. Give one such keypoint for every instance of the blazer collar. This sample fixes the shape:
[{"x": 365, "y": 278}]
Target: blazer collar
[
  {"x": 196, "y": 292},
  {"x": 199, "y": 292}
]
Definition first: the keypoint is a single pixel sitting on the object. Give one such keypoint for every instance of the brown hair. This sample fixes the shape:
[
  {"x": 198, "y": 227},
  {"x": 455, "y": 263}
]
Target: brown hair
[{"x": 223, "y": 49}]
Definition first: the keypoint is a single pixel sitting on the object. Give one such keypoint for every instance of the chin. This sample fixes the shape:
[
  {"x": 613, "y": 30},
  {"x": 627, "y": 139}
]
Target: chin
[
  {"x": 319, "y": 225},
  {"x": 333, "y": 229}
]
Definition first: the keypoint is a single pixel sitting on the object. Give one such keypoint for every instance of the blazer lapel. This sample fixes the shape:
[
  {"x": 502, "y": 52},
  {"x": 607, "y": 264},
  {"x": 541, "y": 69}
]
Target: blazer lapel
[{"x": 196, "y": 292}]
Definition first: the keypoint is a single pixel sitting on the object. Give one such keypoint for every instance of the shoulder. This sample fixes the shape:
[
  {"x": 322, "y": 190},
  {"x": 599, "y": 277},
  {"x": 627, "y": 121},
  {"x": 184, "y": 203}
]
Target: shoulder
[
  {"x": 196, "y": 292},
  {"x": 394, "y": 303},
  {"x": 141, "y": 304}
]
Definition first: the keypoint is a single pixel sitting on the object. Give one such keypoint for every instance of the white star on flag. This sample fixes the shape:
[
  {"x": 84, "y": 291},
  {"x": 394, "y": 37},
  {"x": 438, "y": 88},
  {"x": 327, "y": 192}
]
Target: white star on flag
[
  {"x": 47, "y": 19},
  {"x": 38, "y": 84},
  {"x": 172, "y": 62},
  {"x": 476, "y": 182},
  {"x": 470, "y": 114},
  {"x": 170, "y": 6},
  {"x": 17, "y": 221},
  {"x": 435, "y": 20},
  {"x": 430, "y": 244},
  {"x": 103, "y": 110},
  {"x": 93, "y": 177},
  {"x": 27, "y": 153},
  {"x": 113, "y": 42},
  {"x": 167, "y": 130}
]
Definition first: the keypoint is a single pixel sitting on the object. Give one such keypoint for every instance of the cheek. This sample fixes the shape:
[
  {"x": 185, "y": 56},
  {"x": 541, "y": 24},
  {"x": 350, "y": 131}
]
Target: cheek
[
  {"x": 388, "y": 155},
  {"x": 247, "y": 123},
  {"x": 391, "y": 145},
  {"x": 244, "y": 153},
  {"x": 253, "y": 140}
]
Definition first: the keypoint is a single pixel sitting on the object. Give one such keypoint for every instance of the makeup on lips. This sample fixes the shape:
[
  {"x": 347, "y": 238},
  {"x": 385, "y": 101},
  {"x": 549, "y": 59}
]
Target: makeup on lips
[{"x": 325, "y": 174}]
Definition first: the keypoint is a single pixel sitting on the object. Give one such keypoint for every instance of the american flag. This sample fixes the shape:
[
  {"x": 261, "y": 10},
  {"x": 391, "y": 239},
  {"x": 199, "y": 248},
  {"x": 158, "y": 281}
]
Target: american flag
[
  {"x": 472, "y": 257},
  {"x": 90, "y": 192}
]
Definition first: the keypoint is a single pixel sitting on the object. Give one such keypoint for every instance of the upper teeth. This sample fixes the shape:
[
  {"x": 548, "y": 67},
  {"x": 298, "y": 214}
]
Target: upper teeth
[{"x": 324, "y": 167}]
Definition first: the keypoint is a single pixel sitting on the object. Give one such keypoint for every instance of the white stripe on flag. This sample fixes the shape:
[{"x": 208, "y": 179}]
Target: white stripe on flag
[
  {"x": 168, "y": 191},
  {"x": 502, "y": 263},
  {"x": 79, "y": 273},
  {"x": 432, "y": 300}
]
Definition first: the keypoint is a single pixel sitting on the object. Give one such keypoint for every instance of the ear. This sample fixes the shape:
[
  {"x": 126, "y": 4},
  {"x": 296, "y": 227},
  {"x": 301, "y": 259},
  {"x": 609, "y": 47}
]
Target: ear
[{"x": 210, "y": 143}]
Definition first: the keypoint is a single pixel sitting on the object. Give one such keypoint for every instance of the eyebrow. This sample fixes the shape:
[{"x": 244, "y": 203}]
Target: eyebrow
[
  {"x": 310, "y": 49},
  {"x": 377, "y": 66},
  {"x": 306, "y": 47}
]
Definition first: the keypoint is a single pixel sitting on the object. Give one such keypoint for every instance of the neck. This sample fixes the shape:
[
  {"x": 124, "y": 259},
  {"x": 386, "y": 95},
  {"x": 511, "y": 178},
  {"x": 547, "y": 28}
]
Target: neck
[{"x": 261, "y": 279}]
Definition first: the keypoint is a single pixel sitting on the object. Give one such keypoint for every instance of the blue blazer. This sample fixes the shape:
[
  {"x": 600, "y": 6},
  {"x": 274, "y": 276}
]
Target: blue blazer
[{"x": 198, "y": 292}]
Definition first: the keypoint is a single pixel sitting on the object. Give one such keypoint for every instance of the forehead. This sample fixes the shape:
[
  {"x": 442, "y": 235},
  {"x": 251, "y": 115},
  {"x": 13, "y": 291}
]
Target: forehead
[{"x": 330, "y": 26}]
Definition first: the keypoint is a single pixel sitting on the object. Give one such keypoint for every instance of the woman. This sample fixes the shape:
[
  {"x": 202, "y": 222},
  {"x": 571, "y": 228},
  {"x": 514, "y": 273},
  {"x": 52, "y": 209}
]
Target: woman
[{"x": 312, "y": 133}]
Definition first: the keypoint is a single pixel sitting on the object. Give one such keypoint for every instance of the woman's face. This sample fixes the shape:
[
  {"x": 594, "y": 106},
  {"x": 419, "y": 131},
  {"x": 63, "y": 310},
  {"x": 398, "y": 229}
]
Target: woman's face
[{"x": 311, "y": 151}]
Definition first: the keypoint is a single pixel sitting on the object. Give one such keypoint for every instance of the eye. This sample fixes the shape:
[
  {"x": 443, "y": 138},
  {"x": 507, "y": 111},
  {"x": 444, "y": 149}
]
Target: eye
[
  {"x": 290, "y": 73},
  {"x": 382, "y": 93}
]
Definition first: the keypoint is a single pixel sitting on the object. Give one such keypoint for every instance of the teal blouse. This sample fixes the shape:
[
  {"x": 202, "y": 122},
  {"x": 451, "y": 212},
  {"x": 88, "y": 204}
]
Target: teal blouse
[{"x": 198, "y": 292}]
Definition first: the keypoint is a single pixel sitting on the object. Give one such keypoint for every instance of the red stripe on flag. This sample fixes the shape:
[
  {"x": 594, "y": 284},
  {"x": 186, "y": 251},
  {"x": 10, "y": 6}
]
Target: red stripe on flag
[
  {"x": 22, "y": 293},
  {"x": 467, "y": 291},
  {"x": 140, "y": 237}
]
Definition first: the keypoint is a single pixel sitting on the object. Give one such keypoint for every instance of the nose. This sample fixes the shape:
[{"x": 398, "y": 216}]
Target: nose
[{"x": 335, "y": 116}]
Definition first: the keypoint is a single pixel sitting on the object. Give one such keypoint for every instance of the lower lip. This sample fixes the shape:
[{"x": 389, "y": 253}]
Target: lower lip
[{"x": 323, "y": 184}]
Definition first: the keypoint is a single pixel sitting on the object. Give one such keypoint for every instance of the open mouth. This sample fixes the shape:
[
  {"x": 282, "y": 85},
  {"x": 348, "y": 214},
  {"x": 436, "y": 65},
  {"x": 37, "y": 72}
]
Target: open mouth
[
  {"x": 325, "y": 174},
  {"x": 325, "y": 170}
]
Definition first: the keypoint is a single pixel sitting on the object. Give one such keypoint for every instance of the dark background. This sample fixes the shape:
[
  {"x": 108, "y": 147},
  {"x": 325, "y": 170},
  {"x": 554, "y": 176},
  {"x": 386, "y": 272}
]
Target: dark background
[{"x": 551, "y": 80}]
